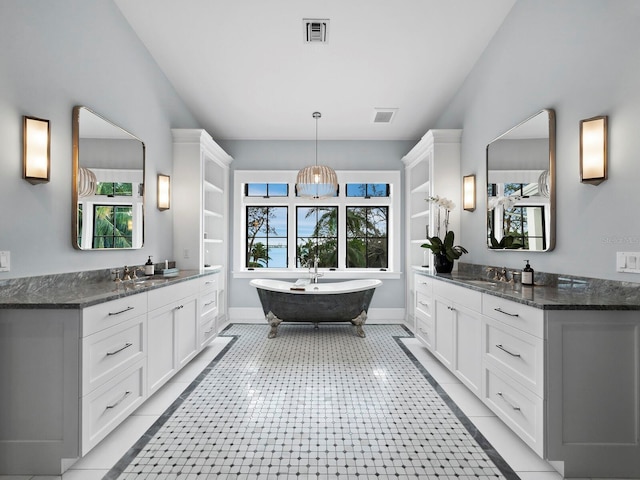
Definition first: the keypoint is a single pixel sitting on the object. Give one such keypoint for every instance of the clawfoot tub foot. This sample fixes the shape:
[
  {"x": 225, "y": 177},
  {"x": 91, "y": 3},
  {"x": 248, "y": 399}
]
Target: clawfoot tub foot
[
  {"x": 274, "y": 322},
  {"x": 359, "y": 321}
]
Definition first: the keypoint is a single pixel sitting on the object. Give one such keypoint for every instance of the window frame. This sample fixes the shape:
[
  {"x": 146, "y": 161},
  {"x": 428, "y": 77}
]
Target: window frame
[{"x": 392, "y": 202}]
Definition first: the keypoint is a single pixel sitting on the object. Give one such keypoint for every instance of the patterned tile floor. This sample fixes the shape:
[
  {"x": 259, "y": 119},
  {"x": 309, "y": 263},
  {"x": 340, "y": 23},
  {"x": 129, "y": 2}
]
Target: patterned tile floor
[{"x": 313, "y": 403}]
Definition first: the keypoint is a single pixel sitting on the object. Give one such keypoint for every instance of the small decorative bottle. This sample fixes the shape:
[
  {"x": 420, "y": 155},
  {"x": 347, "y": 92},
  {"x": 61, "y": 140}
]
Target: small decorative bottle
[
  {"x": 149, "y": 267},
  {"x": 527, "y": 274}
]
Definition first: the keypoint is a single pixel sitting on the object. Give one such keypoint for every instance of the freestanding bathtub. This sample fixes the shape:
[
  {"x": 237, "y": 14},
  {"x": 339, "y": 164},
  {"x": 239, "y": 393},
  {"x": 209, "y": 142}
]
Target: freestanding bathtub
[{"x": 315, "y": 302}]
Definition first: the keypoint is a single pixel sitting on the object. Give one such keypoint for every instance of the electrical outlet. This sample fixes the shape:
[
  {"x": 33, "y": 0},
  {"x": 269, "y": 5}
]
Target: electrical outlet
[
  {"x": 186, "y": 253},
  {"x": 628, "y": 262},
  {"x": 5, "y": 261}
]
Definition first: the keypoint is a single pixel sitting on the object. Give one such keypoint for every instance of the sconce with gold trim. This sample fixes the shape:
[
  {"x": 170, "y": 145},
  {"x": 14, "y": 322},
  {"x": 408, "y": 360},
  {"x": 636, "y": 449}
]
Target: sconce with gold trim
[
  {"x": 593, "y": 150},
  {"x": 469, "y": 193},
  {"x": 36, "y": 150},
  {"x": 164, "y": 192}
]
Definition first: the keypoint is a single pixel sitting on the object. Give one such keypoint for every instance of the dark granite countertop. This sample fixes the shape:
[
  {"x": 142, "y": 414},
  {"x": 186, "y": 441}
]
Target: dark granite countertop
[
  {"x": 550, "y": 291},
  {"x": 81, "y": 289}
]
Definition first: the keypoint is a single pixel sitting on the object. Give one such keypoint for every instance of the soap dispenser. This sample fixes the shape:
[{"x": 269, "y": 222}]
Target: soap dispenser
[
  {"x": 149, "y": 267},
  {"x": 527, "y": 274}
]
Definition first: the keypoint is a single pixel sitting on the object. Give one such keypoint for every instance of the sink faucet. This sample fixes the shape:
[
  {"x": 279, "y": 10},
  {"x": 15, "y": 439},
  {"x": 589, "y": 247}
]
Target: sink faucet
[
  {"x": 314, "y": 275},
  {"x": 500, "y": 275},
  {"x": 126, "y": 274}
]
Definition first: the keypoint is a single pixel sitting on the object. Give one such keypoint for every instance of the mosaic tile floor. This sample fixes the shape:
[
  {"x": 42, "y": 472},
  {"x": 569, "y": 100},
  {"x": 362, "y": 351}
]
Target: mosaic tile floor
[{"x": 313, "y": 403}]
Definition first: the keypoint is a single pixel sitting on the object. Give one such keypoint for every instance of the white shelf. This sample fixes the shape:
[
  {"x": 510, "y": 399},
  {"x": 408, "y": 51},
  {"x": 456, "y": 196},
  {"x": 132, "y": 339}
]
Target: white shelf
[
  {"x": 420, "y": 240},
  {"x": 213, "y": 240},
  {"x": 210, "y": 187},
  {"x": 423, "y": 187},
  {"x": 210, "y": 213},
  {"x": 424, "y": 213}
]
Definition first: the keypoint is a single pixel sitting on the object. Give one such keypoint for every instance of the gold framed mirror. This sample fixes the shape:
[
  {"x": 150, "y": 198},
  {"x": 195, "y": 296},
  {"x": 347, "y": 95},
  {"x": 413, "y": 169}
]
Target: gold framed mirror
[
  {"x": 107, "y": 184},
  {"x": 521, "y": 189}
]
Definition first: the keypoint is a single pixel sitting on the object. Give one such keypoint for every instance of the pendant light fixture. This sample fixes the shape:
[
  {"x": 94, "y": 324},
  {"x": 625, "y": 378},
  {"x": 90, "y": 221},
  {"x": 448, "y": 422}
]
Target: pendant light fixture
[{"x": 317, "y": 181}]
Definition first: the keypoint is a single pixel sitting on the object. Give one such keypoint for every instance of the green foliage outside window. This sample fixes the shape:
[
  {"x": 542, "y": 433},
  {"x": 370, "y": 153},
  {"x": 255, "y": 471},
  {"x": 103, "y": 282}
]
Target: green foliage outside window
[{"x": 112, "y": 226}]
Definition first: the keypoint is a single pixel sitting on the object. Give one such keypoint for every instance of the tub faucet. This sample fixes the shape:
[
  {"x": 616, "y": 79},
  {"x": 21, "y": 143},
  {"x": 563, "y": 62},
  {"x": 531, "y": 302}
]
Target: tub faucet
[{"x": 314, "y": 275}]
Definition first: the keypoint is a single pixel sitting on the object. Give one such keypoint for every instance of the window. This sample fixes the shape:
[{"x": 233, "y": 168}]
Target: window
[
  {"x": 367, "y": 242},
  {"x": 112, "y": 226},
  {"x": 279, "y": 234},
  {"x": 267, "y": 190},
  {"x": 367, "y": 190},
  {"x": 266, "y": 237},
  {"x": 317, "y": 235},
  {"x": 114, "y": 189}
]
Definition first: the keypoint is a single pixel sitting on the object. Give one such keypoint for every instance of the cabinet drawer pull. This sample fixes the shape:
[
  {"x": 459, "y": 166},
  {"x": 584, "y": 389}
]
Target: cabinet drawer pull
[
  {"x": 126, "y": 345},
  {"x": 210, "y": 302},
  {"x": 209, "y": 282},
  {"x": 121, "y": 311},
  {"x": 209, "y": 331},
  {"x": 451, "y": 308},
  {"x": 511, "y": 404},
  {"x": 506, "y": 313},
  {"x": 179, "y": 307},
  {"x": 424, "y": 304},
  {"x": 424, "y": 332},
  {"x": 507, "y": 351},
  {"x": 114, "y": 405}
]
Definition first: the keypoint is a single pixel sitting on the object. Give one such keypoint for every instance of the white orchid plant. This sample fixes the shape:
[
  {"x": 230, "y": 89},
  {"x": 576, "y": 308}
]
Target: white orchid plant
[{"x": 443, "y": 246}]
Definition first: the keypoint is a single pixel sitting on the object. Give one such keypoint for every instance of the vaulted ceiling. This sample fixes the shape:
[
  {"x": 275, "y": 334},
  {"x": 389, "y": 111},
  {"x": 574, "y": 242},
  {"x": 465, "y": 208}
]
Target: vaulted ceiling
[{"x": 245, "y": 71}]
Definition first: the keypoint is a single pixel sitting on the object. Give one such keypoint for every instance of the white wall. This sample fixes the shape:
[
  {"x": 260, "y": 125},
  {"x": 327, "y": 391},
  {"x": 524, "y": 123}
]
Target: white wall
[
  {"x": 579, "y": 57},
  {"x": 56, "y": 55},
  {"x": 293, "y": 155}
]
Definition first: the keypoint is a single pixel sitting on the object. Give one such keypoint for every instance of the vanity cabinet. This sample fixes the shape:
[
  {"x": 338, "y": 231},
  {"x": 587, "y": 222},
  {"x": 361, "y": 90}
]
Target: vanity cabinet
[
  {"x": 513, "y": 367},
  {"x": 432, "y": 167},
  {"x": 423, "y": 310},
  {"x": 173, "y": 330},
  {"x": 70, "y": 375},
  {"x": 114, "y": 352},
  {"x": 457, "y": 332},
  {"x": 201, "y": 205},
  {"x": 564, "y": 377},
  {"x": 208, "y": 301}
]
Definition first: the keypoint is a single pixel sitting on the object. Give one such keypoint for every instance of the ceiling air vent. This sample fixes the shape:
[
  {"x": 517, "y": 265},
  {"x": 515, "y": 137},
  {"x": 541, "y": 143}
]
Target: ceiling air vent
[
  {"x": 316, "y": 30},
  {"x": 384, "y": 115}
]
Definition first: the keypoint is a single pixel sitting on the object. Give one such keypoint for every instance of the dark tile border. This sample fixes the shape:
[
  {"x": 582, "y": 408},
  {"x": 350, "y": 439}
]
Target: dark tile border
[
  {"x": 480, "y": 439},
  {"x": 137, "y": 447},
  {"x": 135, "y": 450}
]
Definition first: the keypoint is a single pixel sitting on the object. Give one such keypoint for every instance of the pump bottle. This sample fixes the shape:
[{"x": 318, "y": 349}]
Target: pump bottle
[
  {"x": 149, "y": 267},
  {"x": 527, "y": 274}
]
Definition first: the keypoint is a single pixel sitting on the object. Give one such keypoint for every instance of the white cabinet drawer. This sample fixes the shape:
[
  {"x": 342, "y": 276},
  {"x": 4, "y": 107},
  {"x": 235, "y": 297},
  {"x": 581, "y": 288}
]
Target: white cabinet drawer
[
  {"x": 422, "y": 283},
  {"x": 207, "y": 330},
  {"x": 522, "y": 317},
  {"x": 459, "y": 295},
  {"x": 519, "y": 408},
  {"x": 110, "y": 351},
  {"x": 208, "y": 302},
  {"x": 209, "y": 282},
  {"x": 424, "y": 330},
  {"x": 108, "y": 405},
  {"x": 172, "y": 293},
  {"x": 105, "y": 315},
  {"x": 424, "y": 304},
  {"x": 517, "y": 353}
]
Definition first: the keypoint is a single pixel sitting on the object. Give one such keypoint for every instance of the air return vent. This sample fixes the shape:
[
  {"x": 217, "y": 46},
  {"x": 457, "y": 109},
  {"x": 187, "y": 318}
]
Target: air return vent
[
  {"x": 384, "y": 115},
  {"x": 316, "y": 30}
]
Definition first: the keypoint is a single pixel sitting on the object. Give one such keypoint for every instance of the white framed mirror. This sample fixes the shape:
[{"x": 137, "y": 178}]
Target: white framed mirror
[
  {"x": 521, "y": 194},
  {"x": 108, "y": 184}
]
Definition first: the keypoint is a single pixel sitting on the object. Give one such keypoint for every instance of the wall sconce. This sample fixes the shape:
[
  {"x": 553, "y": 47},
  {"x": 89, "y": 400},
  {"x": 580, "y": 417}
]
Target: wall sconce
[
  {"x": 469, "y": 193},
  {"x": 36, "y": 150},
  {"x": 164, "y": 192},
  {"x": 593, "y": 150}
]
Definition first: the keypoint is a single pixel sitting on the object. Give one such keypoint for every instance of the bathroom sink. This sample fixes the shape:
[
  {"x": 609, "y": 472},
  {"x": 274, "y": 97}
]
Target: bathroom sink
[
  {"x": 482, "y": 283},
  {"x": 149, "y": 282}
]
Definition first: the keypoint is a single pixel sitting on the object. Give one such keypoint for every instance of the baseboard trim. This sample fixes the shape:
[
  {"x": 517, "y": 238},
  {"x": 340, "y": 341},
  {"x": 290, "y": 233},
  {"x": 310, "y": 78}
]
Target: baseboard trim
[{"x": 376, "y": 315}]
